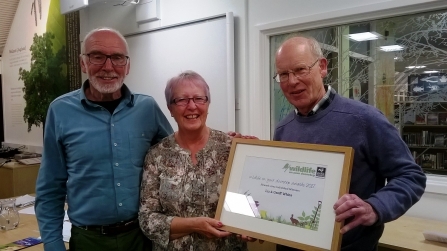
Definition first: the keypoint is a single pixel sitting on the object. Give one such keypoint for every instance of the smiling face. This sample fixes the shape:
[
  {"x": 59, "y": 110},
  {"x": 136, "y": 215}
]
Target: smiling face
[
  {"x": 302, "y": 92},
  {"x": 192, "y": 117},
  {"x": 106, "y": 78}
]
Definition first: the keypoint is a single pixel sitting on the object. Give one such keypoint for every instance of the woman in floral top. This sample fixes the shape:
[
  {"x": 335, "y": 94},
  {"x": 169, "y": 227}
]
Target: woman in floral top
[{"x": 183, "y": 175}]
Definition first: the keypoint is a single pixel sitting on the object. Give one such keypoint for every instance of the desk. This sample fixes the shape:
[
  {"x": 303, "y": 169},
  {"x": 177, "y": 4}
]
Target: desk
[
  {"x": 27, "y": 228},
  {"x": 17, "y": 179},
  {"x": 405, "y": 234}
]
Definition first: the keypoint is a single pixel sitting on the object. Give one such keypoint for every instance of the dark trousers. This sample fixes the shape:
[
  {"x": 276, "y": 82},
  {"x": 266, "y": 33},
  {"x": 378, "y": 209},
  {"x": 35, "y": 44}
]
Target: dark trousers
[{"x": 85, "y": 240}]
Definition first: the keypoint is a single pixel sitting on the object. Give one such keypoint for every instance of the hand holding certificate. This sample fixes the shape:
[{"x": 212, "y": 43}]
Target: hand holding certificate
[{"x": 284, "y": 192}]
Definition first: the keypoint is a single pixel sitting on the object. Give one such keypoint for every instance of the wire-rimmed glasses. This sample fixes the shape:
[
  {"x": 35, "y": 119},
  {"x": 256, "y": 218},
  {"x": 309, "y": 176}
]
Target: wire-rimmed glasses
[
  {"x": 299, "y": 71},
  {"x": 185, "y": 101}
]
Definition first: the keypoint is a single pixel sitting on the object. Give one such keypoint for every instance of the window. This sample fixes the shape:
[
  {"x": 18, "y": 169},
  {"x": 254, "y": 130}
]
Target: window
[{"x": 398, "y": 65}]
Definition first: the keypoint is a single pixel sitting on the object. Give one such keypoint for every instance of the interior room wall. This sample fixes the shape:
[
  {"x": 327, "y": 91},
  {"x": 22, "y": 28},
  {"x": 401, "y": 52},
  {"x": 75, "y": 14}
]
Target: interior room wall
[
  {"x": 251, "y": 17},
  {"x": 176, "y": 12}
]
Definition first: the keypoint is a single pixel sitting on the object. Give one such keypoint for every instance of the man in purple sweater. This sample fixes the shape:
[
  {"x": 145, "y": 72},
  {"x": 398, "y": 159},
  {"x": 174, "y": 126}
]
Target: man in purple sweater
[{"x": 324, "y": 117}]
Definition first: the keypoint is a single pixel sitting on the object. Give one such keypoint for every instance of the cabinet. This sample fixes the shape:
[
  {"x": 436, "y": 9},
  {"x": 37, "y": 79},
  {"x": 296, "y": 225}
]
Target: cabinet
[
  {"x": 17, "y": 179},
  {"x": 423, "y": 126}
]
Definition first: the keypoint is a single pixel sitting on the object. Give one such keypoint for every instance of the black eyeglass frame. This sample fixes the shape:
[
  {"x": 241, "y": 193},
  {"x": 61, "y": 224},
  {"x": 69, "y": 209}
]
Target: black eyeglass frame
[
  {"x": 177, "y": 100},
  {"x": 107, "y": 57},
  {"x": 309, "y": 68}
]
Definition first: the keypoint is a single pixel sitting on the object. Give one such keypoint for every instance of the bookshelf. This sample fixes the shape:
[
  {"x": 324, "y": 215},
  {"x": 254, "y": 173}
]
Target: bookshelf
[{"x": 423, "y": 126}]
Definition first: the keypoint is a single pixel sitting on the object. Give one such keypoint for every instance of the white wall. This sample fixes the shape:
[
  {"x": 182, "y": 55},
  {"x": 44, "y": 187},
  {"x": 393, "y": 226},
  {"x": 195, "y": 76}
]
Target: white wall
[
  {"x": 255, "y": 21},
  {"x": 175, "y": 12}
]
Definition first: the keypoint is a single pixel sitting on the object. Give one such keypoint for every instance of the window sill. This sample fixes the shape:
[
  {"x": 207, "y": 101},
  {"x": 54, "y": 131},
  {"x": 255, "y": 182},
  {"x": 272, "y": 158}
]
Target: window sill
[{"x": 436, "y": 184}]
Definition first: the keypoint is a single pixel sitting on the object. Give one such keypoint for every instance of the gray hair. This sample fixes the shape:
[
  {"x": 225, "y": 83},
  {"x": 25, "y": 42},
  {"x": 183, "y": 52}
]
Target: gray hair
[
  {"x": 103, "y": 29},
  {"x": 313, "y": 44},
  {"x": 186, "y": 75}
]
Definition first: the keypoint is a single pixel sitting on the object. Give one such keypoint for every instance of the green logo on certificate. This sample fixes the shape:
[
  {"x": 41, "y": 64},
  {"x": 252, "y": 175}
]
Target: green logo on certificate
[{"x": 303, "y": 170}]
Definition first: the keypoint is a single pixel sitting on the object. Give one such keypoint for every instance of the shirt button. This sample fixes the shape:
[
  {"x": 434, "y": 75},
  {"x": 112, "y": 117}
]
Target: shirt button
[
  {"x": 113, "y": 124},
  {"x": 118, "y": 184},
  {"x": 115, "y": 144},
  {"x": 116, "y": 164},
  {"x": 120, "y": 204}
]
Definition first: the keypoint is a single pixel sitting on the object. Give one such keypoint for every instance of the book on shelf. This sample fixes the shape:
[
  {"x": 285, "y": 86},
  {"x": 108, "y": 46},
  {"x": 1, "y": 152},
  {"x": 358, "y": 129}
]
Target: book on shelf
[
  {"x": 432, "y": 118},
  {"x": 442, "y": 116},
  {"x": 420, "y": 119},
  {"x": 426, "y": 161},
  {"x": 433, "y": 161},
  {"x": 439, "y": 139}
]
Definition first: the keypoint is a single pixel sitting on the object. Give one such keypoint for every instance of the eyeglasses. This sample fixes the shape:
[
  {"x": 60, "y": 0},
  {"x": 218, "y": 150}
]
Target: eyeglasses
[
  {"x": 100, "y": 59},
  {"x": 300, "y": 71},
  {"x": 185, "y": 101}
]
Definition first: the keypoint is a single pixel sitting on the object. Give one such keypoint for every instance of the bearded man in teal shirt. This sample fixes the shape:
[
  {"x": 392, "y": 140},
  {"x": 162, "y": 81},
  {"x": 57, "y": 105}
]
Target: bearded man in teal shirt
[{"x": 94, "y": 147}]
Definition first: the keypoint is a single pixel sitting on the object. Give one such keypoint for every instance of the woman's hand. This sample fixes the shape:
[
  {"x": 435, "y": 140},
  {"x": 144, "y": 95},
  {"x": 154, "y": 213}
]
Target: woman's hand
[
  {"x": 209, "y": 227},
  {"x": 248, "y": 238},
  {"x": 201, "y": 225},
  {"x": 238, "y": 135}
]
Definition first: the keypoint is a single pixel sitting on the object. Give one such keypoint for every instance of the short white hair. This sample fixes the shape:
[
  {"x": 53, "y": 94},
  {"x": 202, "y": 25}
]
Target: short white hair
[{"x": 103, "y": 29}]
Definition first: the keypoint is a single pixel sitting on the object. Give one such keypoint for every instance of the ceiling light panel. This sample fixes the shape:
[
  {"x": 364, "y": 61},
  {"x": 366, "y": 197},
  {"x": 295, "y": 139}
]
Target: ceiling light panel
[
  {"x": 364, "y": 36},
  {"x": 389, "y": 48}
]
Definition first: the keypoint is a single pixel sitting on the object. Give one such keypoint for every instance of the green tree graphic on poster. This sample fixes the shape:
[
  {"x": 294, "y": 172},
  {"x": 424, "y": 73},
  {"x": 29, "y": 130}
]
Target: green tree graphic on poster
[{"x": 47, "y": 78}]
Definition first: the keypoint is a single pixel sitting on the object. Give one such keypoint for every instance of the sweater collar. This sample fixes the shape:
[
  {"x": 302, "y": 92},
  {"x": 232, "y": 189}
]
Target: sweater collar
[{"x": 322, "y": 104}]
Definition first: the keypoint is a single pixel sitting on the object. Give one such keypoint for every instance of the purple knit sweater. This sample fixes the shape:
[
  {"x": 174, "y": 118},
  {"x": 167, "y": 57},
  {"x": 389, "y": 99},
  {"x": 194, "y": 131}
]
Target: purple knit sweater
[{"x": 380, "y": 155}]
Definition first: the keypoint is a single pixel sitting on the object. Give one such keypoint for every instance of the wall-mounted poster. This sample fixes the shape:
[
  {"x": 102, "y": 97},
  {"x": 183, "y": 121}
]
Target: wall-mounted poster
[
  {"x": 426, "y": 85},
  {"x": 36, "y": 69}
]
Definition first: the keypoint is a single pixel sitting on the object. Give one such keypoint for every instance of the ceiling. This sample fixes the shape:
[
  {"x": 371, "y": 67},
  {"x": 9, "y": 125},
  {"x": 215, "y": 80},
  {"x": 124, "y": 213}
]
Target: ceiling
[{"x": 7, "y": 12}]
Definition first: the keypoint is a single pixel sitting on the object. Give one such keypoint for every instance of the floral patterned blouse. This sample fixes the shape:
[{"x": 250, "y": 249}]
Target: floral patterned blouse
[{"x": 173, "y": 186}]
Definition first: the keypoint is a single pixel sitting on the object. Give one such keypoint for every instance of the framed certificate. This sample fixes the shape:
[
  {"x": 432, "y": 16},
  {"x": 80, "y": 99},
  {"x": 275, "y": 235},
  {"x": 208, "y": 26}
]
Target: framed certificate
[{"x": 284, "y": 192}]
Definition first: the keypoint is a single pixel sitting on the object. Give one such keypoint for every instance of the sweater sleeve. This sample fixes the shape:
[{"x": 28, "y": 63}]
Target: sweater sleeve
[{"x": 393, "y": 161}]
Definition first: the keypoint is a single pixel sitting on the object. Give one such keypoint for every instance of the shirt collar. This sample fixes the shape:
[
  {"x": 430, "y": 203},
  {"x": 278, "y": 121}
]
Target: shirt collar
[
  {"x": 323, "y": 103},
  {"x": 127, "y": 97}
]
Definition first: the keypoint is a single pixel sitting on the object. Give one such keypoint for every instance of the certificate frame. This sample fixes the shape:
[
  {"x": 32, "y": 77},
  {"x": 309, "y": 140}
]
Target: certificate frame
[{"x": 337, "y": 161}]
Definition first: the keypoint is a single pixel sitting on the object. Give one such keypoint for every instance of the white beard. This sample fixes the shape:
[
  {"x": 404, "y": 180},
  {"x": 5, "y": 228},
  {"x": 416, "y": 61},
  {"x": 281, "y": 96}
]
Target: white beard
[{"x": 110, "y": 88}]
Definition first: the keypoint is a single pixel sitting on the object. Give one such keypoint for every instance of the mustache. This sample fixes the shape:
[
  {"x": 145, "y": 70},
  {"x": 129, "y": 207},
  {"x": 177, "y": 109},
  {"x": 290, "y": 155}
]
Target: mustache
[{"x": 107, "y": 75}]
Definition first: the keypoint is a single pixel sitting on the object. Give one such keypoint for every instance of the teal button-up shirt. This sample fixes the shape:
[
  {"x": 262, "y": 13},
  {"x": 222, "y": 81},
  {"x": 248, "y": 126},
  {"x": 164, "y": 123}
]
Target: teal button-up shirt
[{"x": 95, "y": 160}]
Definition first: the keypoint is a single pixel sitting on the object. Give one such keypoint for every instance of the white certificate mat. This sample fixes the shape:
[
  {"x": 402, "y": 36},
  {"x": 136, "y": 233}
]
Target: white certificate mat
[{"x": 294, "y": 187}]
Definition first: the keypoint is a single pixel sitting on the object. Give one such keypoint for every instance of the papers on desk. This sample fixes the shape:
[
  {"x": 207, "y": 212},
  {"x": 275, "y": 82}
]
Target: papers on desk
[
  {"x": 28, "y": 210},
  {"x": 435, "y": 236},
  {"x": 66, "y": 231},
  {"x": 66, "y": 228},
  {"x": 30, "y": 161},
  {"x": 21, "y": 244},
  {"x": 25, "y": 200}
]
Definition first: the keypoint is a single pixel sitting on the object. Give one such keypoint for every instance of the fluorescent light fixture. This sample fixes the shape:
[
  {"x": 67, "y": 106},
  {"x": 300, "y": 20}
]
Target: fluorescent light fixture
[
  {"x": 389, "y": 48},
  {"x": 364, "y": 36},
  {"x": 431, "y": 71},
  {"x": 415, "y": 66}
]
